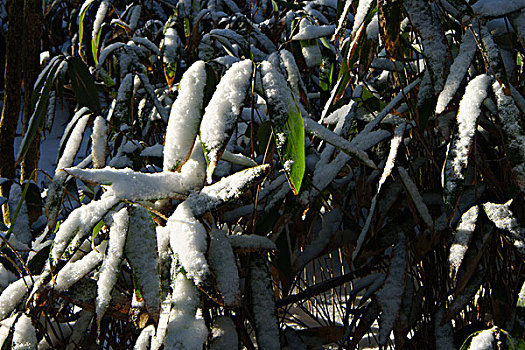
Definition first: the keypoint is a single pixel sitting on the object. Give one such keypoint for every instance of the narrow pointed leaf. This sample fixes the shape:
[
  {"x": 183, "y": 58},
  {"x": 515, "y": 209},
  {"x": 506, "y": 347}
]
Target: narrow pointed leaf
[
  {"x": 141, "y": 253},
  {"x": 83, "y": 84},
  {"x": 220, "y": 116},
  {"x": 222, "y": 263},
  {"x": 287, "y": 124}
]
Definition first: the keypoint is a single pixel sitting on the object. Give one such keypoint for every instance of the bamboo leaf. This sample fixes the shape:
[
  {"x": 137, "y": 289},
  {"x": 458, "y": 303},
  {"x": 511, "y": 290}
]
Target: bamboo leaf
[
  {"x": 141, "y": 253},
  {"x": 83, "y": 84}
]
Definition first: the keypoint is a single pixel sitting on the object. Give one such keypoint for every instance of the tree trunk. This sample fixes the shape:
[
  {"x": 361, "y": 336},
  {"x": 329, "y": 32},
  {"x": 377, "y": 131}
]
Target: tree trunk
[
  {"x": 11, "y": 108},
  {"x": 31, "y": 68}
]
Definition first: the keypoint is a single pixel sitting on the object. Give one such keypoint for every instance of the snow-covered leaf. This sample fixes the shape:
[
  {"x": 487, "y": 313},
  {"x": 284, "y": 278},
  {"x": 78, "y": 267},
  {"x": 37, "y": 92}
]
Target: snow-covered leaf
[
  {"x": 222, "y": 263},
  {"x": 24, "y": 336},
  {"x": 416, "y": 197},
  {"x": 263, "y": 305},
  {"x": 132, "y": 185},
  {"x": 14, "y": 293},
  {"x": 220, "y": 116},
  {"x": 462, "y": 237},
  {"x": 225, "y": 190},
  {"x": 224, "y": 334},
  {"x": 250, "y": 243},
  {"x": 141, "y": 253},
  {"x": 459, "y": 149},
  {"x": 287, "y": 123},
  {"x": 111, "y": 265},
  {"x": 185, "y": 117},
  {"x": 504, "y": 219}
]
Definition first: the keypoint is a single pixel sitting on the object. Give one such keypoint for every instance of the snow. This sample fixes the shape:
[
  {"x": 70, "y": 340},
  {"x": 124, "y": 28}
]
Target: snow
[
  {"x": 24, "y": 335},
  {"x": 170, "y": 46},
  {"x": 222, "y": 263},
  {"x": 185, "y": 117},
  {"x": 224, "y": 334},
  {"x": 99, "y": 18},
  {"x": 72, "y": 272},
  {"x": 73, "y": 144},
  {"x": 157, "y": 150},
  {"x": 390, "y": 296},
  {"x": 432, "y": 39},
  {"x": 185, "y": 330},
  {"x": 108, "y": 50},
  {"x": 193, "y": 172},
  {"x": 144, "y": 340},
  {"x": 221, "y": 113},
  {"x": 225, "y": 190},
  {"x": 509, "y": 114},
  {"x": 467, "y": 117},
  {"x": 6, "y": 277},
  {"x": 263, "y": 305},
  {"x": 308, "y": 31},
  {"x": 312, "y": 55},
  {"x": 462, "y": 237},
  {"x": 458, "y": 69},
  {"x": 79, "y": 330},
  {"x": 99, "y": 139},
  {"x": 80, "y": 222},
  {"x": 188, "y": 240},
  {"x": 504, "y": 219},
  {"x": 387, "y": 170},
  {"x": 360, "y": 14},
  {"x": 111, "y": 265},
  {"x": 134, "y": 17},
  {"x": 14, "y": 294},
  {"x": 312, "y": 127},
  {"x": 483, "y": 340},
  {"x": 21, "y": 231},
  {"x": 292, "y": 71},
  {"x": 146, "y": 43},
  {"x": 251, "y": 243},
  {"x": 497, "y": 8},
  {"x": 133, "y": 185},
  {"x": 416, "y": 197},
  {"x": 276, "y": 90},
  {"x": 238, "y": 158},
  {"x": 141, "y": 253},
  {"x": 5, "y": 328}
]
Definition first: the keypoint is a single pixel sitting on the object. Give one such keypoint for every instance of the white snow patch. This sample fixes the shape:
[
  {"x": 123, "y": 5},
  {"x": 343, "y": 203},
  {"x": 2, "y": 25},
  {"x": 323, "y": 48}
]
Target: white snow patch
[
  {"x": 308, "y": 31},
  {"x": 462, "y": 237},
  {"x": 222, "y": 263},
  {"x": 24, "y": 335}
]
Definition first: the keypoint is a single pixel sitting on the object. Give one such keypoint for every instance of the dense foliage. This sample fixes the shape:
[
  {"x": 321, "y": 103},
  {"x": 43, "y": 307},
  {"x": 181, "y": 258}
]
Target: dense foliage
[{"x": 270, "y": 174}]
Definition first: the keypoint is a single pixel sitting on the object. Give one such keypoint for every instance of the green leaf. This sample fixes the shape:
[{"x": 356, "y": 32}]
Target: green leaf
[
  {"x": 81, "y": 16},
  {"x": 97, "y": 228},
  {"x": 83, "y": 84},
  {"x": 287, "y": 124}
]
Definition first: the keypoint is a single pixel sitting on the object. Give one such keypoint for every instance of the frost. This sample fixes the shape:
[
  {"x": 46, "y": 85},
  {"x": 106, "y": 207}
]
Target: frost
[
  {"x": 133, "y": 185},
  {"x": 111, "y": 265},
  {"x": 99, "y": 139},
  {"x": 224, "y": 334},
  {"x": 24, "y": 335},
  {"x": 467, "y": 117},
  {"x": 188, "y": 241},
  {"x": 389, "y": 296},
  {"x": 458, "y": 70},
  {"x": 222, "y": 263},
  {"x": 185, "y": 117},
  {"x": 14, "y": 294},
  {"x": 416, "y": 197},
  {"x": 462, "y": 237},
  {"x": 185, "y": 331},
  {"x": 72, "y": 272},
  {"x": 221, "y": 113},
  {"x": 483, "y": 340},
  {"x": 307, "y": 31}
]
